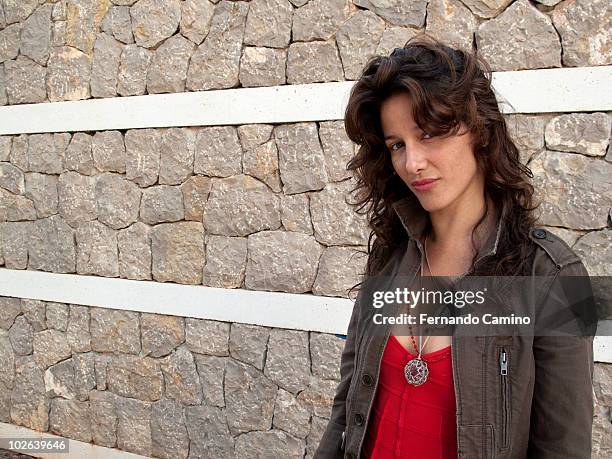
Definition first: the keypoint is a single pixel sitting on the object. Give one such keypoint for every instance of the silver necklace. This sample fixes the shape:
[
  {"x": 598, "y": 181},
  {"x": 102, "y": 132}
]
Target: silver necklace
[{"x": 416, "y": 370}]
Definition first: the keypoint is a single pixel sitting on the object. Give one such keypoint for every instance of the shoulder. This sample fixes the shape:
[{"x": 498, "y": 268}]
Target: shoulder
[{"x": 551, "y": 252}]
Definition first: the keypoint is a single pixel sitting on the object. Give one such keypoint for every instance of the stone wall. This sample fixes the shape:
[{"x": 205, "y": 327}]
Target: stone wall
[
  {"x": 165, "y": 386},
  {"x": 76, "y": 49},
  {"x": 208, "y": 205},
  {"x": 571, "y": 160},
  {"x": 259, "y": 207},
  {"x": 212, "y": 205}
]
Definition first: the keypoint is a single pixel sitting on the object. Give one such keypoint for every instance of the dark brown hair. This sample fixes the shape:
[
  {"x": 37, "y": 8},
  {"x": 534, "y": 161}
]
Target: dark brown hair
[{"x": 447, "y": 87}]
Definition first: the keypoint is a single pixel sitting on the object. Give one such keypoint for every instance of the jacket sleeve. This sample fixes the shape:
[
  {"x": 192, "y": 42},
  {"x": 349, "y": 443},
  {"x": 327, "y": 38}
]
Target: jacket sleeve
[
  {"x": 330, "y": 444},
  {"x": 562, "y": 404}
]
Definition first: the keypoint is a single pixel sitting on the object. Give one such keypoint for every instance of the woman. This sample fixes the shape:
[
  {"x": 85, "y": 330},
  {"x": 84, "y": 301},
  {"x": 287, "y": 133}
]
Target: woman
[{"x": 447, "y": 196}]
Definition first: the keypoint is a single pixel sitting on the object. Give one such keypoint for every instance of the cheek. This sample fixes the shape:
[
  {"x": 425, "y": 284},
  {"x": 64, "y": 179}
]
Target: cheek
[
  {"x": 462, "y": 171},
  {"x": 396, "y": 162},
  {"x": 458, "y": 165}
]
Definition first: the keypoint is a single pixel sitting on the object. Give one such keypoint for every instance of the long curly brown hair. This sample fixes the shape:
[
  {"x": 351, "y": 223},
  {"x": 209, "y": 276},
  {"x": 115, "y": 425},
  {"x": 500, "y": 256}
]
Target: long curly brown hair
[{"x": 447, "y": 87}]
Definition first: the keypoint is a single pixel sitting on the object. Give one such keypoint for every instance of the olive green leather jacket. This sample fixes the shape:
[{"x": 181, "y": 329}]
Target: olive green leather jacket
[{"x": 539, "y": 406}]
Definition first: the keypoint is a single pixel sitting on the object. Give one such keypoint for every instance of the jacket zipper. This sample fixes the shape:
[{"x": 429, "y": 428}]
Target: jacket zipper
[
  {"x": 454, "y": 359},
  {"x": 503, "y": 370}
]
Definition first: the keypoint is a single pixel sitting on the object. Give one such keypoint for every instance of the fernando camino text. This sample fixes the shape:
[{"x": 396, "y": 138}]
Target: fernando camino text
[{"x": 467, "y": 319}]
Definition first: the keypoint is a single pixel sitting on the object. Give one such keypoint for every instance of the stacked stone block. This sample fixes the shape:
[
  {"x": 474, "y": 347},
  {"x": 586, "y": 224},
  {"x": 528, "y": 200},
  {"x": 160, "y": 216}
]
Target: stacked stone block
[
  {"x": 209, "y": 205},
  {"x": 57, "y": 50},
  {"x": 164, "y": 386},
  {"x": 213, "y": 205}
]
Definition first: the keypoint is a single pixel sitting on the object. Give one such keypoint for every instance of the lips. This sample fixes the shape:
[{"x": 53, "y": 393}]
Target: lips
[
  {"x": 423, "y": 182},
  {"x": 424, "y": 185}
]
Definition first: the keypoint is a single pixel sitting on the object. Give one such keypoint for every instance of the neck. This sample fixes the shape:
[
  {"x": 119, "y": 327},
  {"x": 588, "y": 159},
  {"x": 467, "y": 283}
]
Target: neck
[{"x": 456, "y": 223}]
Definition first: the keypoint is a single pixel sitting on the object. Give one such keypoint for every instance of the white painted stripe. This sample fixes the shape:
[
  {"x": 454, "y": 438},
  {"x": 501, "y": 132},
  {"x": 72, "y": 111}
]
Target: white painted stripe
[
  {"x": 269, "y": 309},
  {"x": 529, "y": 91},
  {"x": 602, "y": 345},
  {"x": 602, "y": 349},
  {"x": 275, "y": 104},
  {"x": 76, "y": 449},
  {"x": 577, "y": 89}
]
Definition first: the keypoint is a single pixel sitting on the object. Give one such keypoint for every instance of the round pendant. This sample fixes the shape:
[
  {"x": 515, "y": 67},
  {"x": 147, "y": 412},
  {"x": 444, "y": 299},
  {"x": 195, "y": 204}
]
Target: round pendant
[{"x": 416, "y": 371}]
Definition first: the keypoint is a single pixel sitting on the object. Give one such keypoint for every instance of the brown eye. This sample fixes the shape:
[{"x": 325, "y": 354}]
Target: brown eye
[
  {"x": 426, "y": 136},
  {"x": 393, "y": 145}
]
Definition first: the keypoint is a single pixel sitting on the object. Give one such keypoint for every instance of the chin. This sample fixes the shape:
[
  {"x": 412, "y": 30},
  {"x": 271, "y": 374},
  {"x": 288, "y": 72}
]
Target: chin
[{"x": 433, "y": 204}]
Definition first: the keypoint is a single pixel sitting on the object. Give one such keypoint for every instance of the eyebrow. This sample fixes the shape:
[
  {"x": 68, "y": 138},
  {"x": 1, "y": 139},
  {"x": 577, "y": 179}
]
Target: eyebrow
[{"x": 414, "y": 128}]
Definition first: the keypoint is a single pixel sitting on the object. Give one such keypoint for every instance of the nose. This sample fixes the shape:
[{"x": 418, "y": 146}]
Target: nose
[{"x": 415, "y": 159}]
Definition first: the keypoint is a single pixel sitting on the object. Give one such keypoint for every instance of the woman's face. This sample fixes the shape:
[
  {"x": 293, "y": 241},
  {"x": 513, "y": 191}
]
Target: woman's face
[{"x": 417, "y": 156}]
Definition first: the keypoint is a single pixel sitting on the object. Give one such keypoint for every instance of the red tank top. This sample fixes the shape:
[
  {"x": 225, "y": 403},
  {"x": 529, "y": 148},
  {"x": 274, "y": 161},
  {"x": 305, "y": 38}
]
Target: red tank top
[{"x": 413, "y": 422}]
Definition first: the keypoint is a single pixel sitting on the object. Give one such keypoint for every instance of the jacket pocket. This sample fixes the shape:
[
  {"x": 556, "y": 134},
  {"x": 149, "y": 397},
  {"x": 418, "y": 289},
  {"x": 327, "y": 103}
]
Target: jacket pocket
[
  {"x": 504, "y": 367},
  {"x": 471, "y": 439}
]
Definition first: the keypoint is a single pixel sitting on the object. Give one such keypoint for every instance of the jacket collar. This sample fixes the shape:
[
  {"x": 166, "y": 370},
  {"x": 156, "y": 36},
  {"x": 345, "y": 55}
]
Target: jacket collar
[{"x": 414, "y": 220}]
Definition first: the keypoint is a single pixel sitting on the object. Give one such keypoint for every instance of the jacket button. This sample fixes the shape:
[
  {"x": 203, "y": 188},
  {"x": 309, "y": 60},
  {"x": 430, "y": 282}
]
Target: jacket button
[
  {"x": 367, "y": 380},
  {"x": 359, "y": 419},
  {"x": 539, "y": 233}
]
